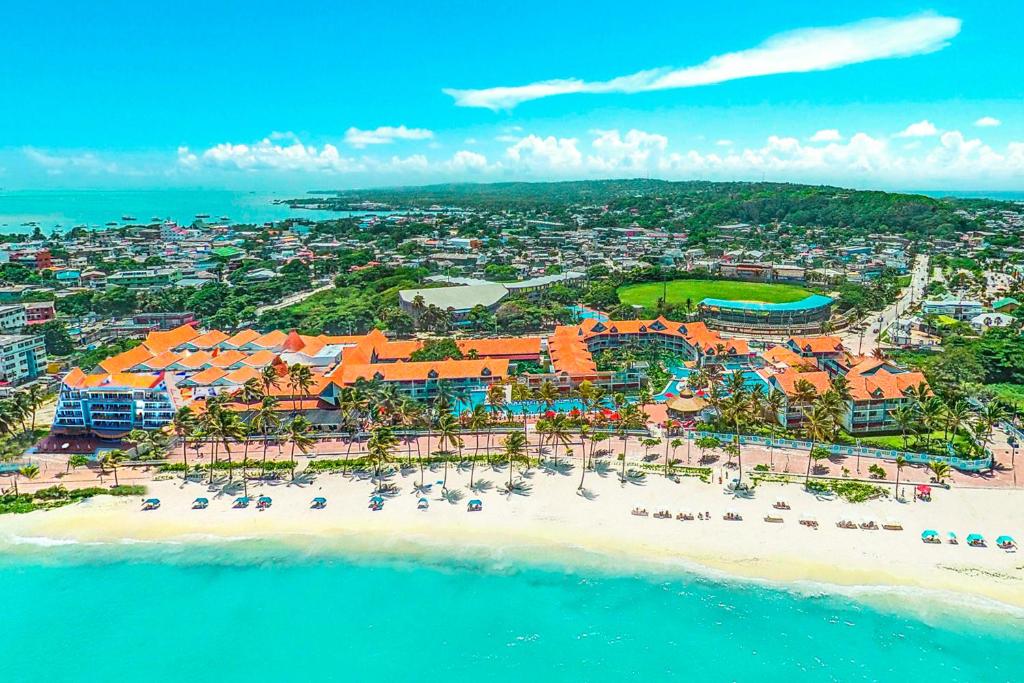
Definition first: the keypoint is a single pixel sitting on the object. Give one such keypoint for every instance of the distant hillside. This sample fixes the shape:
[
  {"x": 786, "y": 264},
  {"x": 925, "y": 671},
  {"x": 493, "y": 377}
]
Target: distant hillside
[{"x": 695, "y": 205}]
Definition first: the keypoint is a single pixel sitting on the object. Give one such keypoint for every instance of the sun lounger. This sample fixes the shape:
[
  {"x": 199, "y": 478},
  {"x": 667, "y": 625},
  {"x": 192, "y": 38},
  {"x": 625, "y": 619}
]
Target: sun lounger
[
  {"x": 893, "y": 526},
  {"x": 773, "y": 518}
]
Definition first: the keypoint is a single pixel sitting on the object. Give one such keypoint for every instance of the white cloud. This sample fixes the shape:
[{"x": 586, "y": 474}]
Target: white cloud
[
  {"x": 550, "y": 153},
  {"x": 988, "y": 122},
  {"x": 800, "y": 51},
  {"x": 76, "y": 162},
  {"x": 269, "y": 155},
  {"x": 723, "y": 143},
  {"x": 464, "y": 160},
  {"x": 384, "y": 135},
  {"x": 921, "y": 129},
  {"x": 826, "y": 135},
  {"x": 630, "y": 152}
]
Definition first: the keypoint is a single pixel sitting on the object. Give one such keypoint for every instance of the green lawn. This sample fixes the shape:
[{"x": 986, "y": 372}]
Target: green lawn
[{"x": 648, "y": 293}]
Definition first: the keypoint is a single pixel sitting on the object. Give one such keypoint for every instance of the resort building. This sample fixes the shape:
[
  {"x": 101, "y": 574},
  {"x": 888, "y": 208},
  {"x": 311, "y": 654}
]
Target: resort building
[
  {"x": 109, "y": 405},
  {"x": 795, "y": 406},
  {"x": 22, "y": 358},
  {"x": 877, "y": 387},
  {"x": 805, "y": 316},
  {"x": 819, "y": 349}
]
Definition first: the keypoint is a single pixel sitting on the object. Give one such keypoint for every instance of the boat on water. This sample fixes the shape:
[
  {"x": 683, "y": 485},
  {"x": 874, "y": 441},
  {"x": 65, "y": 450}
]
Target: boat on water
[
  {"x": 112, "y": 223},
  {"x": 156, "y": 219},
  {"x": 128, "y": 218},
  {"x": 202, "y": 215},
  {"x": 224, "y": 218}
]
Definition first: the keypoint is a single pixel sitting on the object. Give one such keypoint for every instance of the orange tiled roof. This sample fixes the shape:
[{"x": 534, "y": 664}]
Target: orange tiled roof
[
  {"x": 505, "y": 346},
  {"x": 446, "y": 369},
  {"x": 260, "y": 359},
  {"x": 206, "y": 377},
  {"x": 127, "y": 359},
  {"x": 159, "y": 342},
  {"x": 128, "y": 380},
  {"x": 819, "y": 379},
  {"x": 241, "y": 338},
  {"x": 242, "y": 375},
  {"x": 224, "y": 359},
  {"x": 208, "y": 340},
  {"x": 163, "y": 360},
  {"x": 819, "y": 344},
  {"x": 196, "y": 360},
  {"x": 783, "y": 355},
  {"x": 271, "y": 340},
  {"x": 872, "y": 379}
]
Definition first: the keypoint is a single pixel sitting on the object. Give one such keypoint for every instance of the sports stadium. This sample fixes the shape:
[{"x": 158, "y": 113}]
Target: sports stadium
[{"x": 807, "y": 315}]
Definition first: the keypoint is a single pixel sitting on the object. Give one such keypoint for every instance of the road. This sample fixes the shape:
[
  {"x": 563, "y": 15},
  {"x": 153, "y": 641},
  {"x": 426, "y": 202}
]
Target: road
[
  {"x": 876, "y": 323},
  {"x": 293, "y": 299}
]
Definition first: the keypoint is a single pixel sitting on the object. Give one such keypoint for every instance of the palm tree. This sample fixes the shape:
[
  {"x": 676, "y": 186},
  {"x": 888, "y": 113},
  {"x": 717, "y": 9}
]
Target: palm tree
[
  {"x": 774, "y": 402},
  {"x": 629, "y": 418},
  {"x": 76, "y": 461},
  {"x": 939, "y": 469},
  {"x": 34, "y": 398},
  {"x": 379, "y": 446},
  {"x": 265, "y": 422},
  {"x": 675, "y": 444},
  {"x": 904, "y": 417},
  {"x": 30, "y": 472},
  {"x": 817, "y": 425},
  {"x": 448, "y": 434},
  {"x": 300, "y": 379},
  {"x": 270, "y": 379},
  {"x": 226, "y": 426},
  {"x": 547, "y": 394},
  {"x": 735, "y": 410},
  {"x": 558, "y": 433},
  {"x": 297, "y": 432},
  {"x": 184, "y": 423},
  {"x": 901, "y": 462},
  {"x": 957, "y": 416},
  {"x": 111, "y": 458},
  {"x": 515, "y": 449},
  {"x": 804, "y": 394}
]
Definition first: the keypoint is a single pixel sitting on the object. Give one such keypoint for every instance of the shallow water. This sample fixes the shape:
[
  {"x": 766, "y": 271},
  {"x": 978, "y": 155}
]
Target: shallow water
[
  {"x": 95, "y": 208},
  {"x": 248, "y": 609}
]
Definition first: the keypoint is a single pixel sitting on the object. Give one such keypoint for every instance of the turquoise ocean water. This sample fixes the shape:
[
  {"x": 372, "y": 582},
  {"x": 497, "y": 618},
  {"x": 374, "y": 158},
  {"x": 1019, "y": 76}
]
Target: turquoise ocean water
[
  {"x": 96, "y": 208},
  {"x": 245, "y": 612}
]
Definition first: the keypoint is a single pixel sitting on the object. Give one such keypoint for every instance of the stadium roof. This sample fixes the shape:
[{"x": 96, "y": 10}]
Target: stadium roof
[{"x": 806, "y": 304}]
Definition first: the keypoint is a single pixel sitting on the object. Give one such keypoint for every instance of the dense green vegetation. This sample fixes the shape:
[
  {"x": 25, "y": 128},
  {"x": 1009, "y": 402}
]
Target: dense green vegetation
[
  {"x": 693, "y": 291},
  {"x": 58, "y": 496},
  {"x": 661, "y": 203}
]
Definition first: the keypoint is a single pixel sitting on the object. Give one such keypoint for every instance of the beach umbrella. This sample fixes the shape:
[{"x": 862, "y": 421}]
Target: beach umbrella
[
  {"x": 975, "y": 538},
  {"x": 1003, "y": 540},
  {"x": 930, "y": 533},
  {"x": 377, "y": 500},
  {"x": 924, "y": 489},
  {"x": 952, "y": 535},
  {"x": 243, "y": 500},
  {"x": 320, "y": 500},
  {"x": 265, "y": 500}
]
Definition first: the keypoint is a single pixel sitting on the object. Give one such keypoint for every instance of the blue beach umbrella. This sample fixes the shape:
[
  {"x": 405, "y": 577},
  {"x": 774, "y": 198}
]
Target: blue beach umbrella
[
  {"x": 975, "y": 538},
  {"x": 1003, "y": 540},
  {"x": 377, "y": 500},
  {"x": 320, "y": 500},
  {"x": 264, "y": 500},
  {"x": 152, "y": 501},
  {"x": 929, "y": 534},
  {"x": 476, "y": 501},
  {"x": 242, "y": 501}
]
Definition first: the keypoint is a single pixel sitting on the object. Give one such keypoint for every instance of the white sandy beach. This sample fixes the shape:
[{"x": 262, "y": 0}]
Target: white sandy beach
[{"x": 553, "y": 520}]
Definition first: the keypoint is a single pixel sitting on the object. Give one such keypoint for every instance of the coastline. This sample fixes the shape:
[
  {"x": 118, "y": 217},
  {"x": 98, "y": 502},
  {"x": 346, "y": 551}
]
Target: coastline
[{"x": 554, "y": 527}]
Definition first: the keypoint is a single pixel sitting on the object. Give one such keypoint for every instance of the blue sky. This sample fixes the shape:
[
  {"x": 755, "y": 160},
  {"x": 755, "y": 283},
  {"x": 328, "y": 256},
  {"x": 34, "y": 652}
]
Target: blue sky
[{"x": 342, "y": 94}]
